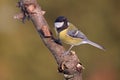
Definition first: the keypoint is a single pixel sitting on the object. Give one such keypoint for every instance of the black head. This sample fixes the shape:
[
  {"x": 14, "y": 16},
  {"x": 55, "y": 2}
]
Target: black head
[{"x": 61, "y": 23}]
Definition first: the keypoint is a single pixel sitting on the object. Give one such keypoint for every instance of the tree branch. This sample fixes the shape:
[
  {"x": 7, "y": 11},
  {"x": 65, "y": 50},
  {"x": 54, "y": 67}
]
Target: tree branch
[{"x": 69, "y": 65}]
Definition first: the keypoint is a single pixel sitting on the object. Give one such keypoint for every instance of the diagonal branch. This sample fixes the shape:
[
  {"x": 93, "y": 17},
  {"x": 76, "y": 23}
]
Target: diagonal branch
[{"x": 69, "y": 65}]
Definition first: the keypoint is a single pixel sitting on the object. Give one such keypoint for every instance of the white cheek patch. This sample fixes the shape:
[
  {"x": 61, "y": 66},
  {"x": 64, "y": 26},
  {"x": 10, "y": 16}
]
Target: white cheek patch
[
  {"x": 58, "y": 24},
  {"x": 68, "y": 23}
]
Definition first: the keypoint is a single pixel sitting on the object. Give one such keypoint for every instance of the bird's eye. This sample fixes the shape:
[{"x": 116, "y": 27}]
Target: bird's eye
[{"x": 59, "y": 24}]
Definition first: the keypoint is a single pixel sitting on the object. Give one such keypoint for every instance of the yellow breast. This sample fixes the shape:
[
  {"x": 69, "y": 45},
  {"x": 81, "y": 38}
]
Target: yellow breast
[{"x": 68, "y": 39}]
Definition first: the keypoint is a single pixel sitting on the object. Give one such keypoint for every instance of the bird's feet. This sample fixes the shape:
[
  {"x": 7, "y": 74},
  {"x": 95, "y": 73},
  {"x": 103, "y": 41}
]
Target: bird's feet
[{"x": 66, "y": 52}]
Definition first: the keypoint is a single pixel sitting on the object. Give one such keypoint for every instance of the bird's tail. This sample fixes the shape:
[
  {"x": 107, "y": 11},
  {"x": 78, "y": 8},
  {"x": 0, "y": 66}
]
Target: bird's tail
[{"x": 95, "y": 45}]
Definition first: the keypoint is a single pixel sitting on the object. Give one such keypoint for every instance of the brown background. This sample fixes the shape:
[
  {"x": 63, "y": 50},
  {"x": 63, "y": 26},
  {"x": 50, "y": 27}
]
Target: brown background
[{"x": 23, "y": 56}]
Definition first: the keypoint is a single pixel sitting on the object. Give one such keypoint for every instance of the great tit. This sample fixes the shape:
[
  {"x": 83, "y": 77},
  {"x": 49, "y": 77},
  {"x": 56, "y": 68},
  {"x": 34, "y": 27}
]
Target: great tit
[{"x": 69, "y": 34}]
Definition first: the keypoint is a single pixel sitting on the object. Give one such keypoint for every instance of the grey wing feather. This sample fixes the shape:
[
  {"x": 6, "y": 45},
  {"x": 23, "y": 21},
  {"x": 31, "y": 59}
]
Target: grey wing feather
[{"x": 76, "y": 34}]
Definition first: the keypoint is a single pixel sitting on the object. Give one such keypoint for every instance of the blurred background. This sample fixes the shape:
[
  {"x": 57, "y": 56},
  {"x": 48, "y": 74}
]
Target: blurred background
[{"x": 23, "y": 56}]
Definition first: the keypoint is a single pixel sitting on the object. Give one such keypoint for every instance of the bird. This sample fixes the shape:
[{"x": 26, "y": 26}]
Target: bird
[{"x": 70, "y": 34}]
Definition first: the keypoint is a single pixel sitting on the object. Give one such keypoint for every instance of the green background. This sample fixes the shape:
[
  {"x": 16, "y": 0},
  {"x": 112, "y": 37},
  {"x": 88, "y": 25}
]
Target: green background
[{"x": 23, "y": 56}]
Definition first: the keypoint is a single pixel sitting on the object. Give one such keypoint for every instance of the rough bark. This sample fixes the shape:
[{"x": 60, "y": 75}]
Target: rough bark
[{"x": 69, "y": 65}]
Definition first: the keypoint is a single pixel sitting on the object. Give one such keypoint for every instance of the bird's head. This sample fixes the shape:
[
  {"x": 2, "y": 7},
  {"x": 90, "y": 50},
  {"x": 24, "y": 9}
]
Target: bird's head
[{"x": 61, "y": 23}]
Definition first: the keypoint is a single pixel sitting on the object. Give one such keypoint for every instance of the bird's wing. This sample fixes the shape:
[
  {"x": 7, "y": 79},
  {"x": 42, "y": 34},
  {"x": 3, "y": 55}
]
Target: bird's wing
[{"x": 74, "y": 32}]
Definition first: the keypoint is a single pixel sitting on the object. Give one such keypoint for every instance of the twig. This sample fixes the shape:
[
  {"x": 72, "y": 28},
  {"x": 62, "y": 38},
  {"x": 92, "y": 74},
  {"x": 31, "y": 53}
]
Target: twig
[{"x": 69, "y": 65}]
